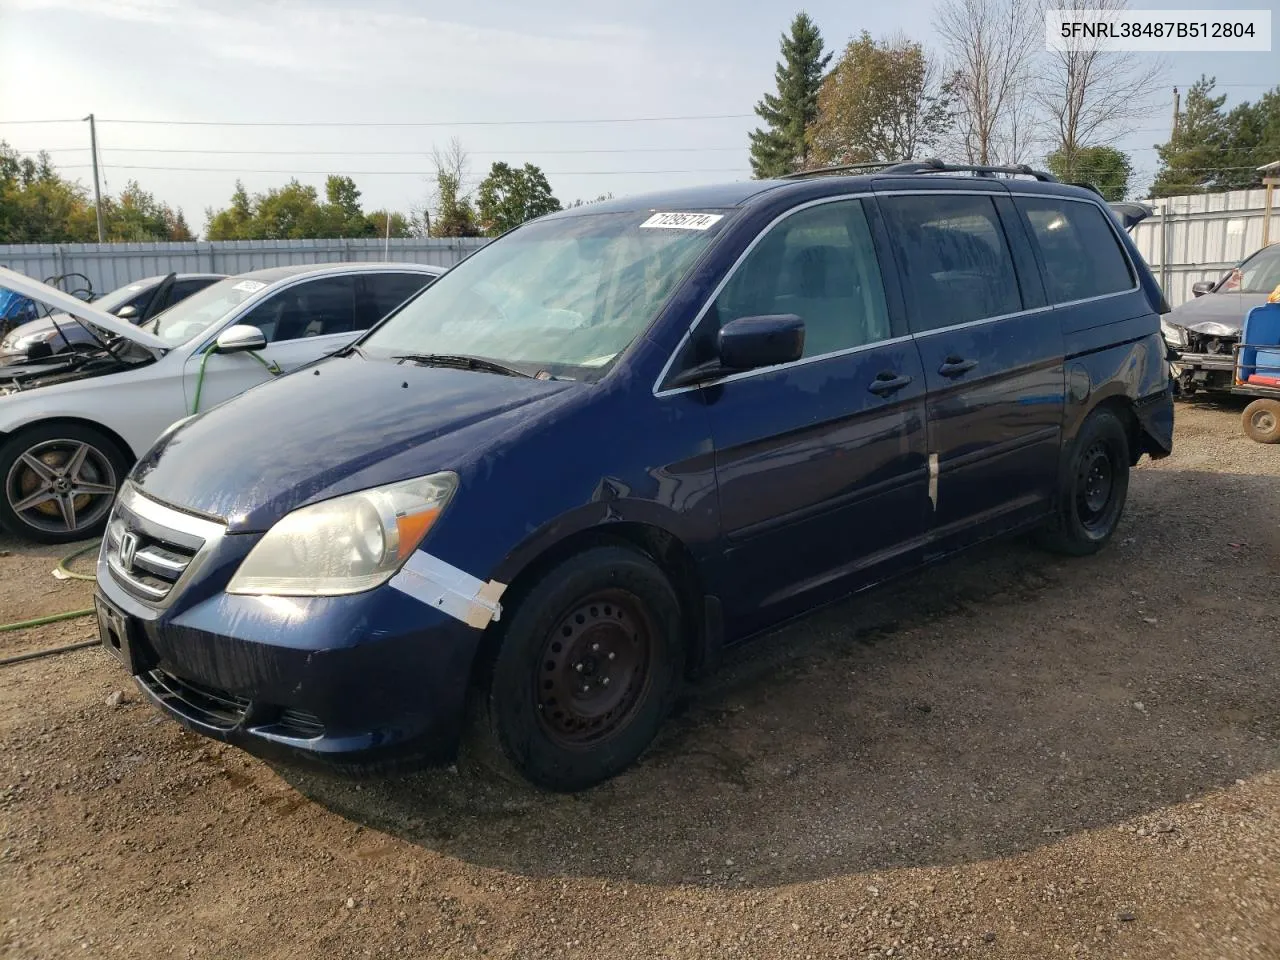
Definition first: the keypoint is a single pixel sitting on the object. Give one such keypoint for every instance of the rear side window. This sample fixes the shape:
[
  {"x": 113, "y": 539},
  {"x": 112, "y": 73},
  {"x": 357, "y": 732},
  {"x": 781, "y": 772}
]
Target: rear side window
[
  {"x": 954, "y": 257},
  {"x": 819, "y": 264},
  {"x": 1082, "y": 257},
  {"x": 383, "y": 292}
]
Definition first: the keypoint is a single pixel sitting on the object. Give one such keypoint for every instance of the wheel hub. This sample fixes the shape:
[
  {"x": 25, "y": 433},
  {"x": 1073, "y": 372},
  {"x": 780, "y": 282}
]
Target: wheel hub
[
  {"x": 594, "y": 668},
  {"x": 60, "y": 486},
  {"x": 1095, "y": 481},
  {"x": 1264, "y": 421}
]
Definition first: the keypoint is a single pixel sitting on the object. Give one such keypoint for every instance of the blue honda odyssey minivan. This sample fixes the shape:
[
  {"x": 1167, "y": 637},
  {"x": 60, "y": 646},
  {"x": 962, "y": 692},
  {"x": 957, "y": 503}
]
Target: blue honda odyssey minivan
[{"x": 621, "y": 439}]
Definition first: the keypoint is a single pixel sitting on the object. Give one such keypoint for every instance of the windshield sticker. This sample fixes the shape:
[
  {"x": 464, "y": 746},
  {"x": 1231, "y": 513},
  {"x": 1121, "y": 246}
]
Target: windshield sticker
[
  {"x": 682, "y": 221},
  {"x": 249, "y": 286},
  {"x": 598, "y": 361}
]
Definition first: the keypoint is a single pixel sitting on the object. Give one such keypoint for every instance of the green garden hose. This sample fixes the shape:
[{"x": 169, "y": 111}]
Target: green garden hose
[
  {"x": 272, "y": 369},
  {"x": 63, "y": 572}
]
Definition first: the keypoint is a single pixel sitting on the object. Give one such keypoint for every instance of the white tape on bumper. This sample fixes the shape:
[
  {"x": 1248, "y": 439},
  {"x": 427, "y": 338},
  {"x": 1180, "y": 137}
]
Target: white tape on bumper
[{"x": 449, "y": 589}]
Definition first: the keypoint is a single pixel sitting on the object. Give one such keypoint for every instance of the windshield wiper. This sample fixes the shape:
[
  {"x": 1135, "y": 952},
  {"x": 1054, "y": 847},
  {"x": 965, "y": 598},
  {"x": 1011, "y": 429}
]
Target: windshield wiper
[{"x": 462, "y": 362}]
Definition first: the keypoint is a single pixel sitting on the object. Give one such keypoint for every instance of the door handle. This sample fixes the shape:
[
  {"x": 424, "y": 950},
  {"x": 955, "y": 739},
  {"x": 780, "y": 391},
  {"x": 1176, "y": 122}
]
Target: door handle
[
  {"x": 887, "y": 383},
  {"x": 954, "y": 366}
]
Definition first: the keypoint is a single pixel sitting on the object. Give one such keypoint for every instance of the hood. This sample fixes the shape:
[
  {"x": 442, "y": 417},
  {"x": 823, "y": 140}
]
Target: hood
[
  {"x": 1215, "y": 314},
  {"x": 345, "y": 424},
  {"x": 86, "y": 311}
]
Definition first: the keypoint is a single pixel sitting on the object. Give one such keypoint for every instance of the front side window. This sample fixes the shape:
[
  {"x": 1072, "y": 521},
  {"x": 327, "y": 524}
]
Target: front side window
[
  {"x": 820, "y": 265},
  {"x": 954, "y": 257},
  {"x": 565, "y": 295},
  {"x": 1082, "y": 257},
  {"x": 313, "y": 308}
]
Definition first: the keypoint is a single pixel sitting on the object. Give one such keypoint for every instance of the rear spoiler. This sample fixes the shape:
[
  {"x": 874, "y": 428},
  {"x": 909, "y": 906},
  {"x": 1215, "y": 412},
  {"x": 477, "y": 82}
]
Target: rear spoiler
[
  {"x": 78, "y": 308},
  {"x": 1130, "y": 214}
]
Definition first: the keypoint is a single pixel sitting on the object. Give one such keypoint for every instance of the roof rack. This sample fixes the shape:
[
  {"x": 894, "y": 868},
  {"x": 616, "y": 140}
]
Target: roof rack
[
  {"x": 937, "y": 166},
  {"x": 843, "y": 168}
]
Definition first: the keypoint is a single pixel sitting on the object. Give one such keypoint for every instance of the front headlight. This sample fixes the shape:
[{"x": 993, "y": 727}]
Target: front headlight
[
  {"x": 1173, "y": 334},
  {"x": 344, "y": 545},
  {"x": 25, "y": 342}
]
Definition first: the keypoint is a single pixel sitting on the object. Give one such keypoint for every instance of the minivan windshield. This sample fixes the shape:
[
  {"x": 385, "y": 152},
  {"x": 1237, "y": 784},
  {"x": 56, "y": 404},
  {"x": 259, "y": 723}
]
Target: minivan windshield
[
  {"x": 564, "y": 295},
  {"x": 191, "y": 317}
]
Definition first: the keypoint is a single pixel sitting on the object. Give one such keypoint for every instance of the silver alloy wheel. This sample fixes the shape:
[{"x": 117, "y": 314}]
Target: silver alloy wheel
[{"x": 60, "y": 486}]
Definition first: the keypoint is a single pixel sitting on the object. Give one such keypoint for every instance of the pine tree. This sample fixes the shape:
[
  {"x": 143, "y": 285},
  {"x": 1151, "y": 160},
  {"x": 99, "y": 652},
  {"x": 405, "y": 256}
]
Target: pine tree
[
  {"x": 781, "y": 148},
  {"x": 1192, "y": 158}
]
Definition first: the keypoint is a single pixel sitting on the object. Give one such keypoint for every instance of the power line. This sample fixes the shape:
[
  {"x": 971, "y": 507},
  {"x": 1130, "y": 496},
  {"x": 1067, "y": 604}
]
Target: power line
[
  {"x": 396, "y": 173},
  {"x": 427, "y": 123},
  {"x": 385, "y": 153},
  {"x": 24, "y": 122}
]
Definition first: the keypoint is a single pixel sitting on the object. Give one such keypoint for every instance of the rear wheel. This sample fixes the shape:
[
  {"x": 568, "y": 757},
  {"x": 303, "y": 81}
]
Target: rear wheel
[
  {"x": 1092, "y": 488},
  {"x": 59, "y": 482},
  {"x": 586, "y": 671},
  {"x": 1262, "y": 420}
]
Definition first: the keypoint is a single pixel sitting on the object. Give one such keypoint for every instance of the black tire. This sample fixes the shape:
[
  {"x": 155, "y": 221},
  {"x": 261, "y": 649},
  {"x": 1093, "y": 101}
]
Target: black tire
[
  {"x": 1091, "y": 489},
  {"x": 606, "y": 617},
  {"x": 1261, "y": 420},
  {"x": 67, "y": 515}
]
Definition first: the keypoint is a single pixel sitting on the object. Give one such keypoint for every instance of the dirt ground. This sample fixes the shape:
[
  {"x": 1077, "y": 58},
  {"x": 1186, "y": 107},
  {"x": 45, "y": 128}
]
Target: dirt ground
[{"x": 1013, "y": 755}]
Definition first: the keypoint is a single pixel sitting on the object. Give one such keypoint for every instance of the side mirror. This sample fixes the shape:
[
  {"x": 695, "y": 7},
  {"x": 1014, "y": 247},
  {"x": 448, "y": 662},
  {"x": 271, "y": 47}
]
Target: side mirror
[
  {"x": 749, "y": 343},
  {"x": 752, "y": 342},
  {"x": 239, "y": 338},
  {"x": 1203, "y": 287},
  {"x": 127, "y": 312}
]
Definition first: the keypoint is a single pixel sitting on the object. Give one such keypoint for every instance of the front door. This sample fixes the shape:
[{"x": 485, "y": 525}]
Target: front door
[
  {"x": 820, "y": 463},
  {"x": 993, "y": 361},
  {"x": 302, "y": 323}
]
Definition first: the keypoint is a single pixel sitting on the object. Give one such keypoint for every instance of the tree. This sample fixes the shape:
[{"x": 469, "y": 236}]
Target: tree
[
  {"x": 882, "y": 101},
  {"x": 294, "y": 212},
  {"x": 1089, "y": 95},
  {"x": 453, "y": 213},
  {"x": 990, "y": 46},
  {"x": 136, "y": 216},
  {"x": 377, "y": 224},
  {"x": 233, "y": 222},
  {"x": 1106, "y": 169},
  {"x": 783, "y": 147},
  {"x": 1192, "y": 158},
  {"x": 1254, "y": 138},
  {"x": 509, "y": 196},
  {"x": 582, "y": 203}
]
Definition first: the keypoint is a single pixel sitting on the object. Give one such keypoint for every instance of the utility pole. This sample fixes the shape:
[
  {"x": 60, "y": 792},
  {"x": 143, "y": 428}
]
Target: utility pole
[
  {"x": 97, "y": 189},
  {"x": 1177, "y": 102}
]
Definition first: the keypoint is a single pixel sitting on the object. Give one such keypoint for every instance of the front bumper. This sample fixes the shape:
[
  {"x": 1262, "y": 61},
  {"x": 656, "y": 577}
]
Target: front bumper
[
  {"x": 1204, "y": 371},
  {"x": 372, "y": 678}
]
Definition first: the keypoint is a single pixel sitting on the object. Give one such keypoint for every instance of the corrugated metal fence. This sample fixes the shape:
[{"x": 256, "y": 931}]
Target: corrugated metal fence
[
  {"x": 1201, "y": 237},
  {"x": 111, "y": 265}
]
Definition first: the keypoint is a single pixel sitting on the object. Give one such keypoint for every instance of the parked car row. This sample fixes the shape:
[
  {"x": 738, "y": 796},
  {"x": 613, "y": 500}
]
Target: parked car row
[{"x": 73, "y": 421}]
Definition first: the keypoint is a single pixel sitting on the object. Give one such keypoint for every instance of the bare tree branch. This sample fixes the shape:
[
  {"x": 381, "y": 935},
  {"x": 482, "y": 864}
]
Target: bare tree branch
[
  {"x": 1088, "y": 96},
  {"x": 990, "y": 46}
]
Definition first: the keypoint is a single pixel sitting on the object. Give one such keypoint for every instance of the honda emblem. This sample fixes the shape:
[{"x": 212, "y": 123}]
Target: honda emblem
[{"x": 128, "y": 547}]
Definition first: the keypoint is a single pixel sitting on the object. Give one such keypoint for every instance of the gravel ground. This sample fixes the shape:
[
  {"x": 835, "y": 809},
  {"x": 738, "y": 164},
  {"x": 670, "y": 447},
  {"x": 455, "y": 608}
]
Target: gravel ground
[{"x": 1012, "y": 755}]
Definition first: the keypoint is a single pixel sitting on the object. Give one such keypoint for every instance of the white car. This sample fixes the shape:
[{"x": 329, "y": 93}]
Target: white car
[{"x": 72, "y": 424}]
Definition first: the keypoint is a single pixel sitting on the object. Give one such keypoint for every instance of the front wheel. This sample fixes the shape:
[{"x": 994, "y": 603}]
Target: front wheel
[
  {"x": 1262, "y": 420},
  {"x": 586, "y": 670},
  {"x": 59, "y": 482},
  {"x": 1092, "y": 488}
]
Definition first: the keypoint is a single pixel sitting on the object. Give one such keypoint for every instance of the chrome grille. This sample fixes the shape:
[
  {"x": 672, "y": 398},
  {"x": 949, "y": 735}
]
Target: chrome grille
[{"x": 149, "y": 548}]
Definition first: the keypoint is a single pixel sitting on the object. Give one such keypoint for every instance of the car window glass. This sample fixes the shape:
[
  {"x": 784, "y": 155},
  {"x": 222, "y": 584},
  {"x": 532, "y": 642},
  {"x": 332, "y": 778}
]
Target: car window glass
[
  {"x": 185, "y": 288},
  {"x": 1082, "y": 257},
  {"x": 1259, "y": 274},
  {"x": 820, "y": 265},
  {"x": 954, "y": 257},
  {"x": 310, "y": 309},
  {"x": 383, "y": 292}
]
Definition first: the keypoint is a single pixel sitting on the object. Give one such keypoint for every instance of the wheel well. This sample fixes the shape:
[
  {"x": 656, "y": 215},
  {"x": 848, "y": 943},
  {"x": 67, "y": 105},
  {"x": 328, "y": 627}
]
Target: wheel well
[
  {"x": 107, "y": 432},
  {"x": 1123, "y": 408},
  {"x": 663, "y": 548}
]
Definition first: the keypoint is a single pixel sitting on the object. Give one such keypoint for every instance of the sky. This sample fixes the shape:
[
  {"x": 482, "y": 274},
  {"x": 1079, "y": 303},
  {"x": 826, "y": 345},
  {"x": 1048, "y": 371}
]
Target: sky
[{"x": 491, "y": 73}]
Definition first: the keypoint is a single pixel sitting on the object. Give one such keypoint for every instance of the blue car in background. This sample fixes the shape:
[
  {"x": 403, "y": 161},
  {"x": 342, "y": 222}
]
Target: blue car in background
[
  {"x": 15, "y": 310},
  {"x": 623, "y": 438}
]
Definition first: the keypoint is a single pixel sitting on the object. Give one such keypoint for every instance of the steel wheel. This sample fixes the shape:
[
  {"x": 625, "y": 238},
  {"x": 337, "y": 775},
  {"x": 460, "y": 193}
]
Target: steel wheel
[
  {"x": 1094, "y": 477},
  {"x": 62, "y": 486},
  {"x": 594, "y": 668}
]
